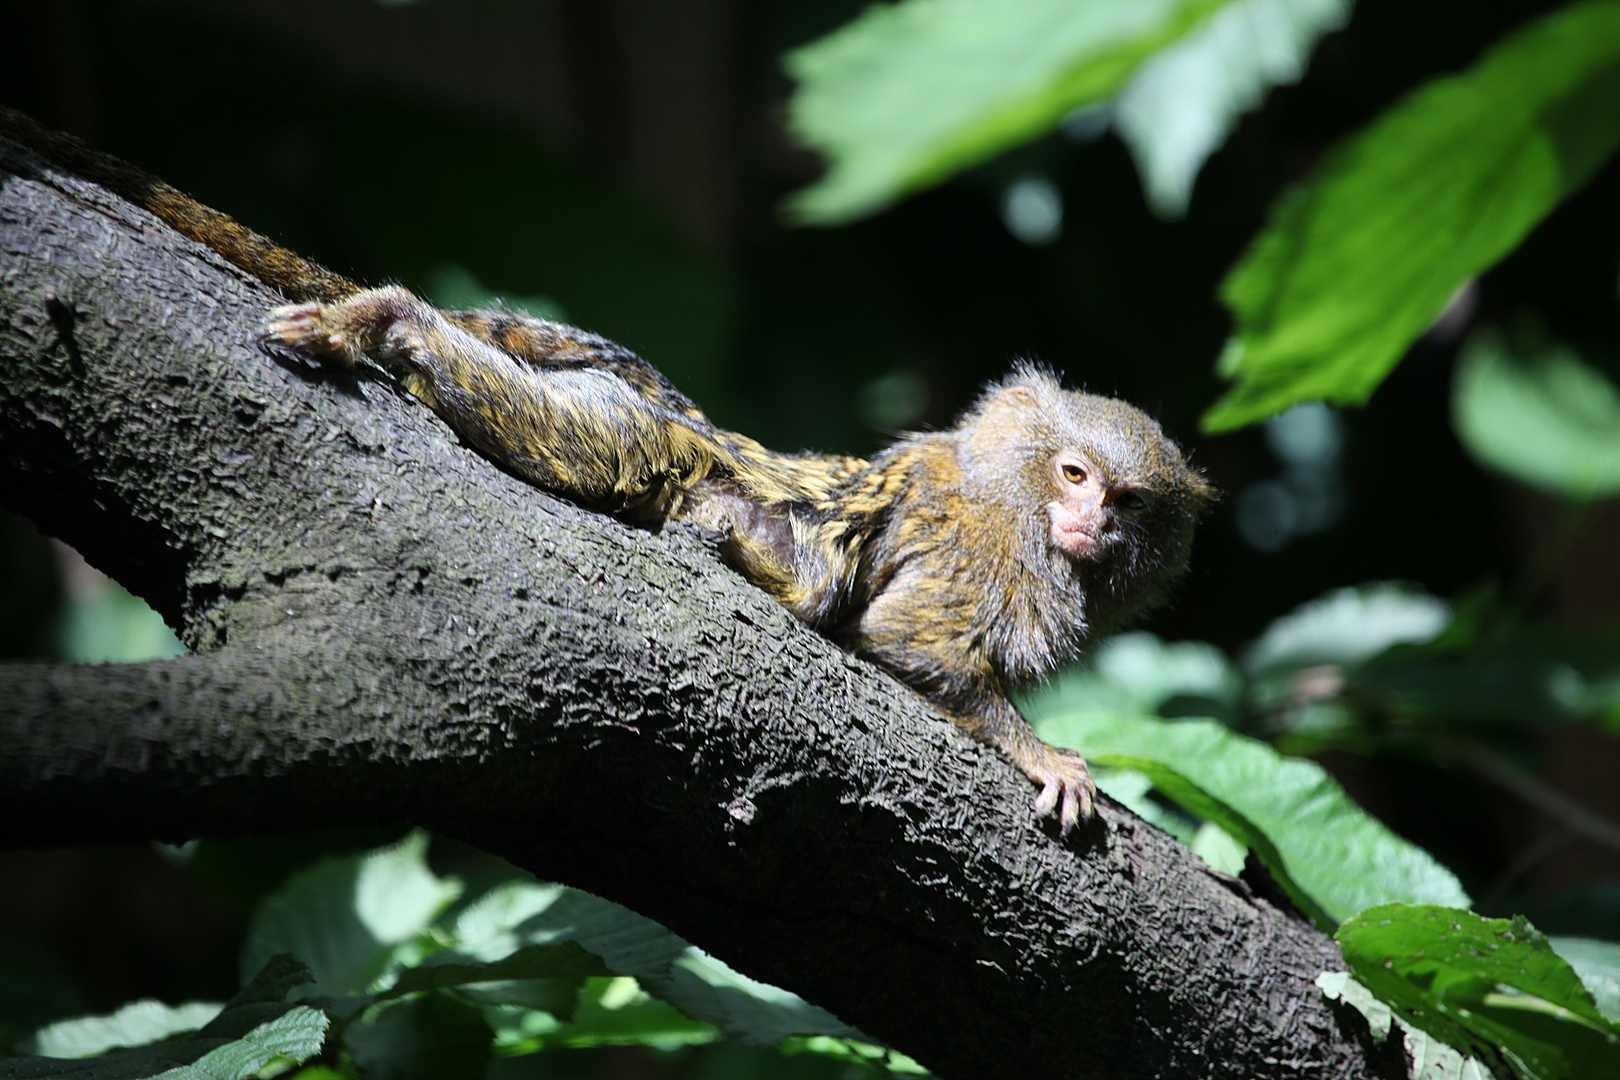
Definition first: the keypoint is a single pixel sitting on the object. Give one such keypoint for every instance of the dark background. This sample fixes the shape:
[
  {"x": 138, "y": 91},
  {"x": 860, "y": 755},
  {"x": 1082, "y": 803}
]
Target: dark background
[{"x": 622, "y": 162}]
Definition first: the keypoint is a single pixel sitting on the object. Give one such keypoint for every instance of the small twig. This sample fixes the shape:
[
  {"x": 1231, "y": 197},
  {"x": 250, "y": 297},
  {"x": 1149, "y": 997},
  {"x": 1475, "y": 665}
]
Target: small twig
[
  {"x": 1545, "y": 848},
  {"x": 1544, "y": 797}
]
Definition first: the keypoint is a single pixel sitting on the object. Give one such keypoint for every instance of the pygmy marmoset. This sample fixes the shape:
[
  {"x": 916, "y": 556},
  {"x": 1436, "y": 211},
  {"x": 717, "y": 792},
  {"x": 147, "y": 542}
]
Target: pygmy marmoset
[{"x": 969, "y": 562}]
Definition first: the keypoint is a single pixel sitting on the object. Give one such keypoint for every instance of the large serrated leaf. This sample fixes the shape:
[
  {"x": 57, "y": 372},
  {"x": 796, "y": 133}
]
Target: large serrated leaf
[
  {"x": 910, "y": 92},
  {"x": 1542, "y": 417},
  {"x": 1311, "y": 835},
  {"x": 345, "y": 917},
  {"x": 1180, "y": 105},
  {"x": 1354, "y": 267},
  {"x": 1493, "y": 988}
]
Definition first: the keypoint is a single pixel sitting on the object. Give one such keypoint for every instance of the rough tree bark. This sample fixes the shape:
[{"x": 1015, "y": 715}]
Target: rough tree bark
[{"x": 385, "y": 627}]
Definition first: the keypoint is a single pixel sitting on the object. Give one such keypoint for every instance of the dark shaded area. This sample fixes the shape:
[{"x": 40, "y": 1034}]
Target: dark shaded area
[{"x": 624, "y": 162}]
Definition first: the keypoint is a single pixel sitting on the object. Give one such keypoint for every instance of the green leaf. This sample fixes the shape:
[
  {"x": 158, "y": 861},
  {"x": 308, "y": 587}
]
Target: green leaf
[
  {"x": 667, "y": 967},
  {"x": 1490, "y": 987},
  {"x": 1193, "y": 798},
  {"x": 1526, "y": 674},
  {"x": 1430, "y": 1058},
  {"x": 1544, "y": 419},
  {"x": 744, "y": 1009},
  {"x": 1181, "y": 104},
  {"x": 1339, "y": 986},
  {"x": 565, "y": 959},
  {"x": 136, "y": 1024},
  {"x": 428, "y": 1038},
  {"x": 1348, "y": 627},
  {"x": 1138, "y": 672},
  {"x": 1219, "y": 848},
  {"x": 1330, "y": 855},
  {"x": 1352, "y": 269},
  {"x": 346, "y": 917},
  {"x": 1598, "y": 965},
  {"x": 610, "y": 1012},
  {"x": 279, "y": 975},
  {"x": 1131, "y": 788},
  {"x": 909, "y": 93},
  {"x": 296, "y": 1034},
  {"x": 891, "y": 1062},
  {"x": 109, "y": 625},
  {"x": 1434, "y": 1060},
  {"x": 252, "y": 1029}
]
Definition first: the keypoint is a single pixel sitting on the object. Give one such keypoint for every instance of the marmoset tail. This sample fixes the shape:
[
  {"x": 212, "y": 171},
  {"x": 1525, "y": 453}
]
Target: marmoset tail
[{"x": 969, "y": 562}]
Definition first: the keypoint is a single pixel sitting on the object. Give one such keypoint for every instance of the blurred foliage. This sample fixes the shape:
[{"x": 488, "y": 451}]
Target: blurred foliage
[
  {"x": 1356, "y": 186},
  {"x": 256, "y": 1030},
  {"x": 1181, "y": 104},
  {"x": 910, "y": 93},
  {"x": 1361, "y": 261},
  {"x": 413, "y": 975},
  {"x": 1543, "y": 417}
]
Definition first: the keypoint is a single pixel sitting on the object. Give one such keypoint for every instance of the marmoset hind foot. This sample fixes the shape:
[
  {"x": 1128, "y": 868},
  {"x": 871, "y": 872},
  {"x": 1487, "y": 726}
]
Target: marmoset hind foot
[{"x": 970, "y": 562}]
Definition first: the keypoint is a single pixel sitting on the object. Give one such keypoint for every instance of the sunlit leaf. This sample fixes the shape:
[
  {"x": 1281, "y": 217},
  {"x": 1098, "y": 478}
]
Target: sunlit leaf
[
  {"x": 1348, "y": 627},
  {"x": 892, "y": 1062},
  {"x": 136, "y": 1024},
  {"x": 1322, "y": 848},
  {"x": 345, "y": 917},
  {"x": 1598, "y": 965},
  {"x": 1547, "y": 420},
  {"x": 249, "y": 1032},
  {"x": 1490, "y": 987},
  {"x": 1430, "y": 1058},
  {"x": 1352, "y": 268},
  {"x": 909, "y": 93},
  {"x": 109, "y": 625},
  {"x": 1139, "y": 672},
  {"x": 745, "y": 1009},
  {"x": 1131, "y": 788},
  {"x": 700, "y": 986},
  {"x": 1180, "y": 105},
  {"x": 1219, "y": 848}
]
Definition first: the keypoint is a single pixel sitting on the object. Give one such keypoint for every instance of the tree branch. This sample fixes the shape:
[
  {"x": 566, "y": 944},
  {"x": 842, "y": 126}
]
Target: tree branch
[{"x": 385, "y": 626}]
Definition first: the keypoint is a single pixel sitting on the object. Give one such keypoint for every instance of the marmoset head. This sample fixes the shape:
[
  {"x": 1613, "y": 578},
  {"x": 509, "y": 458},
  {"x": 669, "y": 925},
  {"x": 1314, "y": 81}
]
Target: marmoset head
[{"x": 1090, "y": 480}]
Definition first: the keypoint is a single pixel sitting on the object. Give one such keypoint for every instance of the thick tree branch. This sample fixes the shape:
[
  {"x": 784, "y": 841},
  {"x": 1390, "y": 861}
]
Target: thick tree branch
[{"x": 385, "y": 626}]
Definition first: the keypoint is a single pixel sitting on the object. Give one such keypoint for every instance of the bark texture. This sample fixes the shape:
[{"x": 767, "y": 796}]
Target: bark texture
[{"x": 384, "y": 626}]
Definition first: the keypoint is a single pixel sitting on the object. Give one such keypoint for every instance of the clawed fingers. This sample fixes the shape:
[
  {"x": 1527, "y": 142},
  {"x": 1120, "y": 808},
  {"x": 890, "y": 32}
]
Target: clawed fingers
[
  {"x": 1076, "y": 805},
  {"x": 1047, "y": 800},
  {"x": 1066, "y": 787},
  {"x": 301, "y": 328}
]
